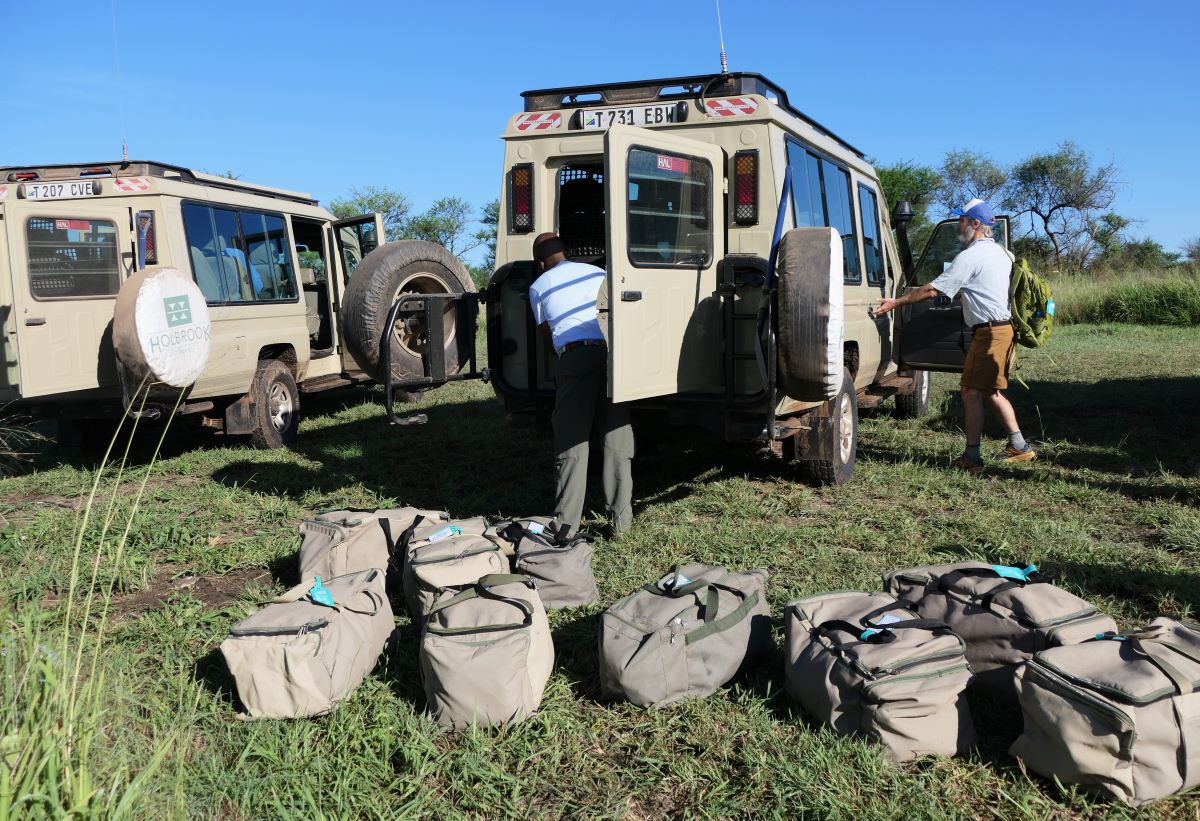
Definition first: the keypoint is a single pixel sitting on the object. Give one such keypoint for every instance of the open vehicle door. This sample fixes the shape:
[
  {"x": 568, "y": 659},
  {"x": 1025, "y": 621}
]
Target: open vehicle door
[
  {"x": 357, "y": 237},
  {"x": 932, "y": 335},
  {"x": 666, "y": 236}
]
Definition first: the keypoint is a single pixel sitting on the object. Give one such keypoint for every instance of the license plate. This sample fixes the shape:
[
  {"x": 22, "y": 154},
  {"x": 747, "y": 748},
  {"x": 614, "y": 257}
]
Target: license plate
[
  {"x": 601, "y": 118},
  {"x": 59, "y": 190}
]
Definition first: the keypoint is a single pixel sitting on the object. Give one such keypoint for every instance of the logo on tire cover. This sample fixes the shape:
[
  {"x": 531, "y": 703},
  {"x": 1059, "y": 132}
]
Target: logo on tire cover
[{"x": 178, "y": 310}]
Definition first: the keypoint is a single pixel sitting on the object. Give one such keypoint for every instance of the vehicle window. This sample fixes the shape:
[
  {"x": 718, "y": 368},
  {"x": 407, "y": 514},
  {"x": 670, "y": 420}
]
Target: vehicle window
[
  {"x": 809, "y": 205},
  {"x": 868, "y": 204},
  {"x": 232, "y": 262},
  {"x": 821, "y": 197},
  {"x": 72, "y": 257},
  {"x": 357, "y": 239},
  {"x": 841, "y": 216},
  {"x": 669, "y": 220},
  {"x": 944, "y": 245}
]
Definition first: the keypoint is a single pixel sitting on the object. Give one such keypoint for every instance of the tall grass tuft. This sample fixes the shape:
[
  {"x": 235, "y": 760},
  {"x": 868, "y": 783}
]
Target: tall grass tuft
[
  {"x": 56, "y": 701},
  {"x": 17, "y": 436},
  {"x": 1142, "y": 299}
]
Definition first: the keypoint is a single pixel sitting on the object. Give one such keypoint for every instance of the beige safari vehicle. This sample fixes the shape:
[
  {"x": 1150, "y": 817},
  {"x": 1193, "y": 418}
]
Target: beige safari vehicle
[
  {"x": 678, "y": 189},
  {"x": 273, "y": 266}
]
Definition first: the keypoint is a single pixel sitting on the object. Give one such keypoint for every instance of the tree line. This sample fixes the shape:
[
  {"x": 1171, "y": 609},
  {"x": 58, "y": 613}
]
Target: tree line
[{"x": 1060, "y": 202}]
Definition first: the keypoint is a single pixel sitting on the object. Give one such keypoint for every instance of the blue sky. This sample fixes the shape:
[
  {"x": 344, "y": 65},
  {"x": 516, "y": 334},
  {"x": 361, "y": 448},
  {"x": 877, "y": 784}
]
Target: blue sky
[{"x": 321, "y": 97}]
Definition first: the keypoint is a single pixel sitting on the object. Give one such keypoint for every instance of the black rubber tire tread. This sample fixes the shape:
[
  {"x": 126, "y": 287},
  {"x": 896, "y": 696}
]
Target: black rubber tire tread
[
  {"x": 803, "y": 309},
  {"x": 916, "y": 404},
  {"x": 265, "y": 436},
  {"x": 834, "y": 471},
  {"x": 369, "y": 298}
]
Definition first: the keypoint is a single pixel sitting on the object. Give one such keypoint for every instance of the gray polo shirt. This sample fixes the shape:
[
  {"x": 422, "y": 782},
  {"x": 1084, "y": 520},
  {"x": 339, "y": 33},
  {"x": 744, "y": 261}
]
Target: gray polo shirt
[{"x": 981, "y": 272}]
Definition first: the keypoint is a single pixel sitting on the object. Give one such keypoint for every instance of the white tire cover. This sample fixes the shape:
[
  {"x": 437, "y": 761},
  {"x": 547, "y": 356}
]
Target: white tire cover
[
  {"x": 811, "y": 314},
  {"x": 161, "y": 327}
]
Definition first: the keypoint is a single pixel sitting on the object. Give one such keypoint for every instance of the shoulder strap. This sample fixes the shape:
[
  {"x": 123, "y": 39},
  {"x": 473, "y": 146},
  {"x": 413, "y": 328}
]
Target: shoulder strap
[{"x": 483, "y": 589}]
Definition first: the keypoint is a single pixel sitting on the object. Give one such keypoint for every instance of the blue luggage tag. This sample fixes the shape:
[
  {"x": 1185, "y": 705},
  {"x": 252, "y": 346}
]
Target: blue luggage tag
[
  {"x": 319, "y": 594},
  {"x": 445, "y": 533},
  {"x": 536, "y": 528},
  {"x": 1014, "y": 573}
]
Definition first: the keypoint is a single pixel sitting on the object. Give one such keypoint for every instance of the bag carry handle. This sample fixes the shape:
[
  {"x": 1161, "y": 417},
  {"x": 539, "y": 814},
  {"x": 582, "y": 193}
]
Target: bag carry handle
[
  {"x": 483, "y": 589},
  {"x": 675, "y": 592},
  {"x": 881, "y": 633},
  {"x": 559, "y": 536},
  {"x": 1015, "y": 576},
  {"x": 1154, "y": 643},
  {"x": 301, "y": 590},
  {"x": 713, "y": 625}
]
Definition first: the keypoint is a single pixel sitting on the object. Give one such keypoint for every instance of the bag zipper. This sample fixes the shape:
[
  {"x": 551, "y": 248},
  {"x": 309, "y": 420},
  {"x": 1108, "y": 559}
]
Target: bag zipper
[
  {"x": 1066, "y": 685},
  {"x": 316, "y": 624},
  {"x": 946, "y": 671},
  {"x": 1050, "y": 635},
  {"x": 1113, "y": 692},
  {"x": 466, "y": 554}
]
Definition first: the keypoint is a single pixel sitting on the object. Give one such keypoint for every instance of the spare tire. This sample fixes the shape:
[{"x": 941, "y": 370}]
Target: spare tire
[
  {"x": 810, "y": 311},
  {"x": 161, "y": 330},
  {"x": 404, "y": 267}
]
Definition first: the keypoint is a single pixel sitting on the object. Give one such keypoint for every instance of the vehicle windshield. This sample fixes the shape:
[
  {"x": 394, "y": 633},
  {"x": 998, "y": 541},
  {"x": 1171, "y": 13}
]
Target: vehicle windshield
[{"x": 944, "y": 245}]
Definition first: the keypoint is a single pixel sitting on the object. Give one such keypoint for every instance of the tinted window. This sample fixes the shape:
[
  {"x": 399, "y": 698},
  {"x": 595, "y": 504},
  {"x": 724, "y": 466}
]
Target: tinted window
[
  {"x": 821, "y": 197},
  {"x": 841, "y": 215},
  {"x": 869, "y": 206},
  {"x": 238, "y": 260},
  {"x": 72, "y": 257},
  {"x": 270, "y": 264},
  {"x": 944, "y": 245},
  {"x": 809, "y": 206},
  {"x": 669, "y": 220}
]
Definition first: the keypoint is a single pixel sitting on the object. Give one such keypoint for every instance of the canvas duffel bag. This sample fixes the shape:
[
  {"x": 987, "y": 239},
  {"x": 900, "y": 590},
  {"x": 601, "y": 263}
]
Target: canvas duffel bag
[
  {"x": 560, "y": 564},
  {"x": 1118, "y": 714},
  {"x": 1004, "y": 614},
  {"x": 297, "y": 657},
  {"x": 508, "y": 534},
  {"x": 451, "y": 562},
  {"x": 866, "y": 664},
  {"x": 486, "y": 653},
  {"x": 338, "y": 542},
  {"x": 424, "y": 531},
  {"x": 684, "y": 635}
]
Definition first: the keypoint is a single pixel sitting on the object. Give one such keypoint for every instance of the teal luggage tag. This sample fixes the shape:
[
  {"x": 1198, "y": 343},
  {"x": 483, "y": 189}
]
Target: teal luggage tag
[
  {"x": 536, "y": 528},
  {"x": 319, "y": 594},
  {"x": 1014, "y": 573},
  {"x": 445, "y": 533}
]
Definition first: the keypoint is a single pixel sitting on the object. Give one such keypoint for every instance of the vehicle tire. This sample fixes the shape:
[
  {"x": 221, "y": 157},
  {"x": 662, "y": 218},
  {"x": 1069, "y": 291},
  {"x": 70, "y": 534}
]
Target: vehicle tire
[
  {"x": 843, "y": 442},
  {"x": 275, "y": 403},
  {"x": 912, "y": 405},
  {"x": 407, "y": 266},
  {"x": 810, "y": 314}
]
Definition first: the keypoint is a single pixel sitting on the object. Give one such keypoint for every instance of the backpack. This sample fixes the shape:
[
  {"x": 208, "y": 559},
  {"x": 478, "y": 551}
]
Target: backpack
[
  {"x": 560, "y": 564},
  {"x": 1117, "y": 714},
  {"x": 866, "y": 664},
  {"x": 1005, "y": 614},
  {"x": 1032, "y": 306},
  {"x": 684, "y": 635}
]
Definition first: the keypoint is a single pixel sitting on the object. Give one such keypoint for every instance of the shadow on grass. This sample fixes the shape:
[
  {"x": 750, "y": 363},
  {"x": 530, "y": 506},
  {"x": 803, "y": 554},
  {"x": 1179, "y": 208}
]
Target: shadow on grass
[{"x": 211, "y": 671}]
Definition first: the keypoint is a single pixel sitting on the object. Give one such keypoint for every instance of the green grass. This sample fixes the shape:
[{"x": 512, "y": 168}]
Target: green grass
[
  {"x": 1144, "y": 298},
  {"x": 1111, "y": 511}
]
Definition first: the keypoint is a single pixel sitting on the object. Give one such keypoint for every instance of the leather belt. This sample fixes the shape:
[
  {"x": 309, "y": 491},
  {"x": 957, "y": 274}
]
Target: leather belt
[
  {"x": 582, "y": 343},
  {"x": 995, "y": 323}
]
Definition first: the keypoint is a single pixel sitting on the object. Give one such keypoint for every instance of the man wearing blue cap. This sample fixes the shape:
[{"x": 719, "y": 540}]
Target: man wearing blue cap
[{"x": 981, "y": 273}]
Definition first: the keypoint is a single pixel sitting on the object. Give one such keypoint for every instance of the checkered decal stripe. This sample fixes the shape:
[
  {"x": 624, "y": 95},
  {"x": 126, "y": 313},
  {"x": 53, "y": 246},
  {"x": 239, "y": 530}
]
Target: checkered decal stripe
[
  {"x": 731, "y": 107},
  {"x": 538, "y": 122}
]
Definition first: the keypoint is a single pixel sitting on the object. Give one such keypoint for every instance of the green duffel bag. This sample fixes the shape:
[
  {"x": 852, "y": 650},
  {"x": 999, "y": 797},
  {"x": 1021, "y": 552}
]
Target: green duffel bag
[
  {"x": 311, "y": 647},
  {"x": 338, "y": 542},
  {"x": 486, "y": 653},
  {"x": 684, "y": 635},
  {"x": 452, "y": 562},
  {"x": 866, "y": 664},
  {"x": 1004, "y": 614},
  {"x": 1119, "y": 714},
  {"x": 560, "y": 564}
]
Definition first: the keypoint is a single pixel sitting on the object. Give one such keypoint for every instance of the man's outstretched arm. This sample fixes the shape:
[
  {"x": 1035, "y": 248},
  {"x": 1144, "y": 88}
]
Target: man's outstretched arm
[{"x": 920, "y": 294}]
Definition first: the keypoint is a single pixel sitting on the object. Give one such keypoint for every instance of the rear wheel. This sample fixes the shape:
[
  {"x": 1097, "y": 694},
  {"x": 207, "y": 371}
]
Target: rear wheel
[
  {"x": 912, "y": 405},
  {"x": 276, "y": 406},
  {"x": 842, "y": 439}
]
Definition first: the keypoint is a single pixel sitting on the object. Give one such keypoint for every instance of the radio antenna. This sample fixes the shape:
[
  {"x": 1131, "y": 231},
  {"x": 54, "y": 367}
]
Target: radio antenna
[
  {"x": 721, "y": 36},
  {"x": 120, "y": 82}
]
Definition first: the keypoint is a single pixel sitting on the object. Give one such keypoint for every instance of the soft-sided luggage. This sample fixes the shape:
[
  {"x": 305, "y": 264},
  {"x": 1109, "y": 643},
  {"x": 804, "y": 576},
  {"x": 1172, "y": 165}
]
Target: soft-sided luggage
[
  {"x": 452, "y": 562},
  {"x": 427, "y": 530},
  {"x": 508, "y": 534},
  {"x": 298, "y": 657},
  {"x": 560, "y": 564},
  {"x": 1118, "y": 714},
  {"x": 866, "y": 664},
  {"x": 486, "y": 652},
  {"x": 1004, "y": 614},
  {"x": 338, "y": 542},
  {"x": 684, "y": 635}
]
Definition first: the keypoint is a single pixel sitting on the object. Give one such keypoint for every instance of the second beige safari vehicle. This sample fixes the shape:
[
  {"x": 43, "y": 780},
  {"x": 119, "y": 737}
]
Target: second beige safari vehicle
[{"x": 273, "y": 266}]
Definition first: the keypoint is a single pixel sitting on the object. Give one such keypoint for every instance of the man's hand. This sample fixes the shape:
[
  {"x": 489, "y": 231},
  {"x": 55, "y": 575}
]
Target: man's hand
[
  {"x": 918, "y": 295},
  {"x": 886, "y": 304}
]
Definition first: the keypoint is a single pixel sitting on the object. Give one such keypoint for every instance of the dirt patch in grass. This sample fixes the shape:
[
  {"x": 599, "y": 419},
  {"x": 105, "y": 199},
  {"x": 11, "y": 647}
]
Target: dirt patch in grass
[{"x": 211, "y": 591}]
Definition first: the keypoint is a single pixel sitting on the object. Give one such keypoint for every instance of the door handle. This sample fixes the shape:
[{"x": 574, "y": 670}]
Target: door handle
[
  {"x": 36, "y": 320},
  {"x": 631, "y": 296}
]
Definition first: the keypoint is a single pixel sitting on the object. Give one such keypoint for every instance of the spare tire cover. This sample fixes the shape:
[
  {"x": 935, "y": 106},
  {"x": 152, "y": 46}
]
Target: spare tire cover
[
  {"x": 810, "y": 313},
  {"x": 161, "y": 328}
]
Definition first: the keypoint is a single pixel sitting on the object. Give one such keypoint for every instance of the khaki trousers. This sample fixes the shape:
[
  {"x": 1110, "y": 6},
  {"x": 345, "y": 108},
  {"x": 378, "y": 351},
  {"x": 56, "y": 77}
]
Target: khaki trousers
[{"x": 581, "y": 403}]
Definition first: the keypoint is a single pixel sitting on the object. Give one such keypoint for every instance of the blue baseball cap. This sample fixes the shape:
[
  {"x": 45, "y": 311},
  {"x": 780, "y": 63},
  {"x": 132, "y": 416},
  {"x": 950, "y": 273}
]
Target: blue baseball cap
[{"x": 976, "y": 209}]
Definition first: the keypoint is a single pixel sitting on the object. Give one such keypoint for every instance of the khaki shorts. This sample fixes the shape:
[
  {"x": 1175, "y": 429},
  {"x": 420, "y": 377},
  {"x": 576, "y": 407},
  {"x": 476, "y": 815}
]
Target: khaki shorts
[{"x": 988, "y": 358}]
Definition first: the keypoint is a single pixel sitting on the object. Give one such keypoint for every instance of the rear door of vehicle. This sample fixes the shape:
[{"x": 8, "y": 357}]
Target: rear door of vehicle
[
  {"x": 665, "y": 239},
  {"x": 354, "y": 238},
  {"x": 932, "y": 335},
  {"x": 68, "y": 259}
]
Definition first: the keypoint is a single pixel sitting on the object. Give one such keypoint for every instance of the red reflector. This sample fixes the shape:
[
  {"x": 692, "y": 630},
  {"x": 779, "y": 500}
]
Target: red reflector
[
  {"x": 745, "y": 187},
  {"x": 520, "y": 192},
  {"x": 95, "y": 172},
  {"x": 25, "y": 175}
]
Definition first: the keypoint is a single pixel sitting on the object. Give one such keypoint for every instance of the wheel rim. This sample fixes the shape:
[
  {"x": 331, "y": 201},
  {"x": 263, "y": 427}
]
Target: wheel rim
[
  {"x": 414, "y": 336},
  {"x": 282, "y": 407},
  {"x": 845, "y": 428}
]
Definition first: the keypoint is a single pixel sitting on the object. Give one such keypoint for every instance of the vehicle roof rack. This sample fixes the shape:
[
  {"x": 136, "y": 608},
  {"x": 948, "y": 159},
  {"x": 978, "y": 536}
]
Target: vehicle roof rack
[
  {"x": 146, "y": 168},
  {"x": 671, "y": 88}
]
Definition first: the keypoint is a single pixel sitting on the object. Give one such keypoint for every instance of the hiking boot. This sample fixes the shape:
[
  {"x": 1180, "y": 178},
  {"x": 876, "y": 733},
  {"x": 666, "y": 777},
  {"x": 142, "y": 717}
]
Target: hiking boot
[
  {"x": 1011, "y": 454},
  {"x": 968, "y": 464}
]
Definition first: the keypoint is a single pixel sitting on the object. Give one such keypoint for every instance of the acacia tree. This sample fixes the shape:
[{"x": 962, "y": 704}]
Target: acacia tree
[
  {"x": 392, "y": 205},
  {"x": 919, "y": 185},
  {"x": 446, "y": 222},
  {"x": 966, "y": 175},
  {"x": 1064, "y": 195}
]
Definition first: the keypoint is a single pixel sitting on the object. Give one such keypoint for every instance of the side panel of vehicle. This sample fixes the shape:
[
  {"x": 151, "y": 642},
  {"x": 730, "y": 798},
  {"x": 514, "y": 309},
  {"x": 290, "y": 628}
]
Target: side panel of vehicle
[{"x": 10, "y": 376}]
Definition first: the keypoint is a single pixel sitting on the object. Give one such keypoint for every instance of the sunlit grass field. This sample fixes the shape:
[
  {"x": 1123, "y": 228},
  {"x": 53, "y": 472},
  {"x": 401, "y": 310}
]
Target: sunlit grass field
[{"x": 1109, "y": 510}]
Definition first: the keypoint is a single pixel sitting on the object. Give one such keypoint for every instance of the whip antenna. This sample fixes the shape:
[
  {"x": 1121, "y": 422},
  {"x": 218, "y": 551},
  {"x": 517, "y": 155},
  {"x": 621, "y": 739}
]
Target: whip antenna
[
  {"x": 120, "y": 82},
  {"x": 721, "y": 36}
]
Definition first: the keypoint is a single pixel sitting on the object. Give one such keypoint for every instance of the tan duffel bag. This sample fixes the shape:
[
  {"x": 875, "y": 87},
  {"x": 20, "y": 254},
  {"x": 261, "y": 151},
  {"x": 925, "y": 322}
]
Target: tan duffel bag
[
  {"x": 865, "y": 664},
  {"x": 683, "y": 636},
  {"x": 453, "y": 562},
  {"x": 338, "y": 542},
  {"x": 1004, "y": 614},
  {"x": 425, "y": 531},
  {"x": 297, "y": 658},
  {"x": 486, "y": 653},
  {"x": 560, "y": 564},
  {"x": 1118, "y": 714}
]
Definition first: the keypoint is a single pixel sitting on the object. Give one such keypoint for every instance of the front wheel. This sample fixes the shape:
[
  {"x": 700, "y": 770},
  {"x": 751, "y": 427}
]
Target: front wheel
[
  {"x": 276, "y": 403},
  {"x": 842, "y": 439},
  {"x": 914, "y": 404}
]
